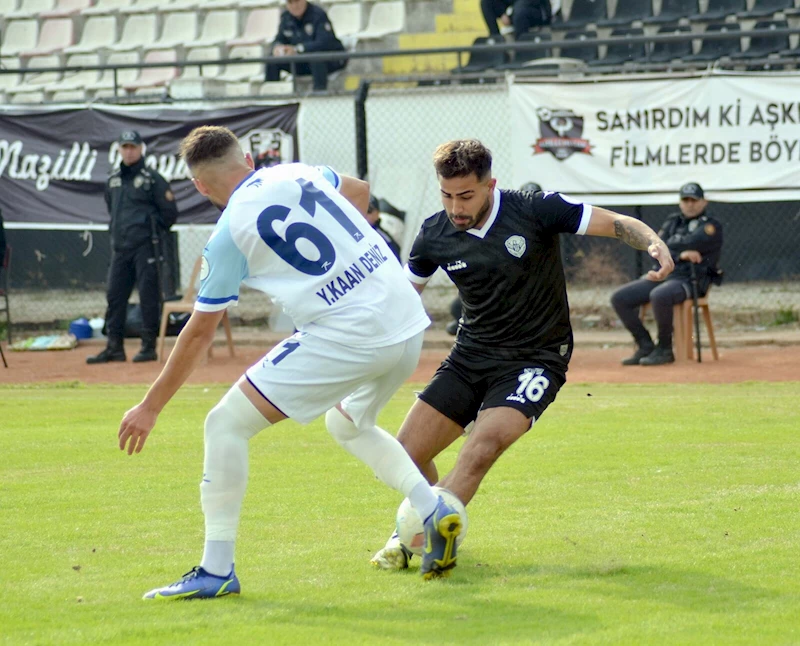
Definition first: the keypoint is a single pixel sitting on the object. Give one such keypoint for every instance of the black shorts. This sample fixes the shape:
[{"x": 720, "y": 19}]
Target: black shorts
[{"x": 467, "y": 383}]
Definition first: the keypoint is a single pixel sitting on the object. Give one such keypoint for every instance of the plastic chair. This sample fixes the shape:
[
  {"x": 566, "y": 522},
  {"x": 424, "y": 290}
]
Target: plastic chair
[
  {"x": 763, "y": 8},
  {"x": 622, "y": 52},
  {"x": 584, "y": 12},
  {"x": 586, "y": 53},
  {"x": 628, "y": 11},
  {"x": 666, "y": 52},
  {"x": 481, "y": 61},
  {"x": 711, "y": 50},
  {"x": 683, "y": 340},
  {"x": 763, "y": 46},
  {"x": 186, "y": 305},
  {"x": 719, "y": 10},
  {"x": 674, "y": 10},
  {"x": 385, "y": 18}
]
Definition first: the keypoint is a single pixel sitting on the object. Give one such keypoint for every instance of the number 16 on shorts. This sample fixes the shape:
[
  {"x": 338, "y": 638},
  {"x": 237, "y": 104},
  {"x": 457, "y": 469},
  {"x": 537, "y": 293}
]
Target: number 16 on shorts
[{"x": 532, "y": 386}]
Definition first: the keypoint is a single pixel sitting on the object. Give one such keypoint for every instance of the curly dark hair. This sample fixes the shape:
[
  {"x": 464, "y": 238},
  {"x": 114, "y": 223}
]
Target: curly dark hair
[{"x": 462, "y": 157}]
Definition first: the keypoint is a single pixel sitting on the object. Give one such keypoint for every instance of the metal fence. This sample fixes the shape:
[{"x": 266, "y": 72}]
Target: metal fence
[{"x": 403, "y": 127}]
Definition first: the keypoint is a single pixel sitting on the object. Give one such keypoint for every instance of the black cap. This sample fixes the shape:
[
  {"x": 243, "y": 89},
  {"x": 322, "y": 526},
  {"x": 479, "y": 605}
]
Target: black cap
[
  {"x": 130, "y": 137},
  {"x": 373, "y": 204},
  {"x": 692, "y": 189}
]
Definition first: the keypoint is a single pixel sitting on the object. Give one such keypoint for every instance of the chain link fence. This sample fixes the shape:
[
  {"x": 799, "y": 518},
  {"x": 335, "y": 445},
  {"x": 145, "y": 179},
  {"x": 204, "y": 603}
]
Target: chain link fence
[{"x": 60, "y": 274}]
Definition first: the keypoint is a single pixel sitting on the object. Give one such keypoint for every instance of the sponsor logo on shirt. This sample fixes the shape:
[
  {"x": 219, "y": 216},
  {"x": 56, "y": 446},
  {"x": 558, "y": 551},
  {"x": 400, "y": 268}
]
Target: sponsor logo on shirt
[{"x": 455, "y": 266}]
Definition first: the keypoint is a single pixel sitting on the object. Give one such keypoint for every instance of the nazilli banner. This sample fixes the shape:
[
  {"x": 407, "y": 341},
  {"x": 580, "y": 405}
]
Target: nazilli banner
[
  {"x": 54, "y": 163},
  {"x": 621, "y": 141}
]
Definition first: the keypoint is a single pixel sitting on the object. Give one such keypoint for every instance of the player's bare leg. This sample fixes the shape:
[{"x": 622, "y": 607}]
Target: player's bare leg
[
  {"x": 424, "y": 434},
  {"x": 495, "y": 430}
]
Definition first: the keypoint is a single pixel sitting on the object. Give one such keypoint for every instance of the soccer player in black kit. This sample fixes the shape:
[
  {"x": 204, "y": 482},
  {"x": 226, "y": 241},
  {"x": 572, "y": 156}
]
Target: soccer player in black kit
[{"x": 510, "y": 357}]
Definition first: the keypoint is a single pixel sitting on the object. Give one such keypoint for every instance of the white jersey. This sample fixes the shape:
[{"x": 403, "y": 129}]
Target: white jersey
[{"x": 289, "y": 233}]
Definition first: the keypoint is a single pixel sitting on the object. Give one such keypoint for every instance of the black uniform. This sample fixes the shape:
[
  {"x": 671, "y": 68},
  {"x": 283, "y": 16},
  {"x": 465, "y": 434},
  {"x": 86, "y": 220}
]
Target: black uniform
[
  {"x": 313, "y": 32},
  {"x": 137, "y": 199},
  {"x": 703, "y": 234},
  {"x": 515, "y": 339},
  {"x": 388, "y": 239}
]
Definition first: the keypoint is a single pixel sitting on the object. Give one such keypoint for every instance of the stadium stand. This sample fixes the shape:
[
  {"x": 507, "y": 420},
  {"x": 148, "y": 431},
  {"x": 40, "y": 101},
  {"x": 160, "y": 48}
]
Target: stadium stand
[
  {"x": 19, "y": 36},
  {"x": 99, "y": 32},
  {"x": 31, "y": 88},
  {"x": 213, "y": 53},
  {"x": 31, "y": 9},
  {"x": 150, "y": 78},
  {"x": 582, "y": 13},
  {"x": 711, "y": 50},
  {"x": 673, "y": 10},
  {"x": 585, "y": 53},
  {"x": 627, "y": 13},
  {"x": 178, "y": 29},
  {"x": 105, "y": 7},
  {"x": 668, "y": 52},
  {"x": 138, "y": 32},
  {"x": 385, "y": 18},
  {"x": 523, "y": 58},
  {"x": 763, "y": 46},
  {"x": 480, "y": 61},
  {"x": 104, "y": 86},
  {"x": 623, "y": 52},
  {"x": 719, "y": 10},
  {"x": 347, "y": 19},
  {"x": 66, "y": 8},
  {"x": 70, "y": 88},
  {"x": 763, "y": 8},
  {"x": 55, "y": 34},
  {"x": 259, "y": 28},
  {"x": 219, "y": 26}
]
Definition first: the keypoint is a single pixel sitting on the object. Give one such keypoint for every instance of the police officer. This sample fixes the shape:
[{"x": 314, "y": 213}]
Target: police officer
[
  {"x": 142, "y": 208},
  {"x": 693, "y": 238},
  {"x": 305, "y": 28}
]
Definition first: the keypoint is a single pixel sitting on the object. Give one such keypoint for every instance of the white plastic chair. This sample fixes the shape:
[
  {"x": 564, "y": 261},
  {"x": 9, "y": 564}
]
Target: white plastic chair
[
  {"x": 99, "y": 32},
  {"x": 346, "y": 18},
  {"x": 55, "y": 35},
  {"x": 66, "y": 8},
  {"x": 260, "y": 27},
  {"x": 203, "y": 54},
  {"x": 179, "y": 28},
  {"x": 19, "y": 36},
  {"x": 104, "y": 86},
  {"x": 75, "y": 80},
  {"x": 385, "y": 18},
  {"x": 138, "y": 31},
  {"x": 154, "y": 77},
  {"x": 105, "y": 7},
  {"x": 31, "y": 8},
  {"x": 219, "y": 27}
]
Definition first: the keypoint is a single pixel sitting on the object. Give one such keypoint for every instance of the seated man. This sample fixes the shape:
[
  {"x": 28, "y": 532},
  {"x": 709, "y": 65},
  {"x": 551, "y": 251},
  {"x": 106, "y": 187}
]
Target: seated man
[
  {"x": 693, "y": 238},
  {"x": 374, "y": 219},
  {"x": 521, "y": 14},
  {"x": 305, "y": 28}
]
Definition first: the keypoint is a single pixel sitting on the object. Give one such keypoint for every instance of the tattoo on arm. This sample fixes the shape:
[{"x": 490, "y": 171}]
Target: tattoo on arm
[{"x": 631, "y": 234}]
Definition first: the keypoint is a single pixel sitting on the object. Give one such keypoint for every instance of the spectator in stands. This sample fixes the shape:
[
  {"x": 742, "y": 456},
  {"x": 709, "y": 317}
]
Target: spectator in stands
[
  {"x": 305, "y": 28},
  {"x": 142, "y": 208},
  {"x": 523, "y": 15},
  {"x": 374, "y": 218},
  {"x": 694, "y": 238},
  {"x": 455, "y": 305}
]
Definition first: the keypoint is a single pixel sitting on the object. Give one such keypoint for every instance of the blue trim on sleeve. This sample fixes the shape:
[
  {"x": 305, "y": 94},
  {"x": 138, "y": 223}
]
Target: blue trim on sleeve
[
  {"x": 331, "y": 175},
  {"x": 216, "y": 301}
]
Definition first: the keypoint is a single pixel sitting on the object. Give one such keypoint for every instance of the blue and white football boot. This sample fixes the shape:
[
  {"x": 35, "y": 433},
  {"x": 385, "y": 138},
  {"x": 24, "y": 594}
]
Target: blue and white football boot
[
  {"x": 197, "y": 584},
  {"x": 442, "y": 528}
]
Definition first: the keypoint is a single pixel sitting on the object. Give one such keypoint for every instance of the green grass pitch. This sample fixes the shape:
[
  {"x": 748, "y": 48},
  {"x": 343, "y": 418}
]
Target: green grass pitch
[{"x": 629, "y": 515}]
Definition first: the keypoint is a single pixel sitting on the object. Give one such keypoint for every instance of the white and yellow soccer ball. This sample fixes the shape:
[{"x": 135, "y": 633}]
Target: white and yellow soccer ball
[{"x": 409, "y": 524}]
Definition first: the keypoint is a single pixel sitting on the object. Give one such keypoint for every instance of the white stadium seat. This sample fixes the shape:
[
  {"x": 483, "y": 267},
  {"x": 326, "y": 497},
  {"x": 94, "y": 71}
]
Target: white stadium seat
[
  {"x": 244, "y": 71},
  {"x": 218, "y": 28},
  {"x": 55, "y": 35},
  {"x": 154, "y": 77},
  {"x": 347, "y": 18},
  {"x": 19, "y": 36},
  {"x": 31, "y": 8},
  {"x": 99, "y": 32},
  {"x": 66, "y": 8},
  {"x": 138, "y": 32},
  {"x": 74, "y": 82},
  {"x": 203, "y": 54},
  {"x": 179, "y": 28},
  {"x": 260, "y": 27},
  {"x": 105, "y": 7},
  {"x": 385, "y": 18},
  {"x": 31, "y": 89},
  {"x": 104, "y": 86}
]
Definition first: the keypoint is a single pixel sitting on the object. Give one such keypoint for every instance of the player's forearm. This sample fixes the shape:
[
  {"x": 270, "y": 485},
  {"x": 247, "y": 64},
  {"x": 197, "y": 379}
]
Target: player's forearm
[
  {"x": 190, "y": 347},
  {"x": 634, "y": 233}
]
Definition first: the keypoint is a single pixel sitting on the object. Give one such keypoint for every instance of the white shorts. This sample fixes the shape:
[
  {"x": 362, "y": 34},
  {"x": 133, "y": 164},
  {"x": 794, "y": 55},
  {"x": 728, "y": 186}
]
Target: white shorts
[{"x": 305, "y": 376}]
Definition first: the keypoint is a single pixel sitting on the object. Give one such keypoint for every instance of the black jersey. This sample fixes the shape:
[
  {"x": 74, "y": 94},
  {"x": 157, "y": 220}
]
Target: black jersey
[{"x": 509, "y": 273}]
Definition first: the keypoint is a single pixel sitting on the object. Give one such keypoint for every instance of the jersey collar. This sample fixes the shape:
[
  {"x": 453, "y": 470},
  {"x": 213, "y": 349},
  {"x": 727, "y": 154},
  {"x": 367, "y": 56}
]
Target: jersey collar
[{"x": 481, "y": 233}]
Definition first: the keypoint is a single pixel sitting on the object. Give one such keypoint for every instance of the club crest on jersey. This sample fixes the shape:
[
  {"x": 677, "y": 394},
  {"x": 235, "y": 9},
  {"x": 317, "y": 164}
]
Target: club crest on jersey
[{"x": 516, "y": 246}]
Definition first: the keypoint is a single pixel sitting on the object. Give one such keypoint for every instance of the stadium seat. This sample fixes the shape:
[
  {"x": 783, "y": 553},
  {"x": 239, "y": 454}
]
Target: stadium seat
[
  {"x": 711, "y": 50},
  {"x": 582, "y": 13},
  {"x": 99, "y": 32},
  {"x": 763, "y": 46},
  {"x": 585, "y": 53},
  {"x": 154, "y": 77},
  {"x": 9, "y": 81},
  {"x": 481, "y": 61},
  {"x": 179, "y": 28},
  {"x": 719, "y": 10},
  {"x": 19, "y": 36},
  {"x": 628, "y": 11},
  {"x": 666, "y": 52},
  {"x": 5, "y": 271},
  {"x": 203, "y": 54},
  {"x": 66, "y": 8},
  {"x": 138, "y": 31},
  {"x": 105, "y": 7},
  {"x": 763, "y": 8},
  {"x": 55, "y": 34},
  {"x": 244, "y": 71},
  {"x": 218, "y": 28},
  {"x": 104, "y": 86},
  {"x": 620, "y": 53},
  {"x": 186, "y": 306},
  {"x": 31, "y": 9},
  {"x": 74, "y": 82},
  {"x": 347, "y": 19},
  {"x": 7, "y": 7},
  {"x": 673, "y": 11},
  {"x": 260, "y": 27},
  {"x": 31, "y": 89},
  {"x": 146, "y": 6},
  {"x": 523, "y": 58},
  {"x": 385, "y": 18}
]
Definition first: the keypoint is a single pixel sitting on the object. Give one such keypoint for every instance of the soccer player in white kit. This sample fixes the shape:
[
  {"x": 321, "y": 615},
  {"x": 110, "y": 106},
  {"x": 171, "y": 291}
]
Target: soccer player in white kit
[{"x": 295, "y": 233}]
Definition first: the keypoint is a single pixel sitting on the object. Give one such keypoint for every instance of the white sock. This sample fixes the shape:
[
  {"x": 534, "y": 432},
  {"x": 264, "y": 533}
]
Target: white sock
[
  {"x": 386, "y": 457},
  {"x": 423, "y": 499},
  {"x": 228, "y": 429},
  {"x": 218, "y": 557}
]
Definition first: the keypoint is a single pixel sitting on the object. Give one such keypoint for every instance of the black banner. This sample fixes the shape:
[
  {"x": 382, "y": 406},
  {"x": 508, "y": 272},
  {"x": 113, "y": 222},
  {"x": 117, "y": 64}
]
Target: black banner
[{"x": 54, "y": 163}]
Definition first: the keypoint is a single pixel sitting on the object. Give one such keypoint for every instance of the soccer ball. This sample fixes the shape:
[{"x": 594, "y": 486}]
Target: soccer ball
[{"x": 409, "y": 524}]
